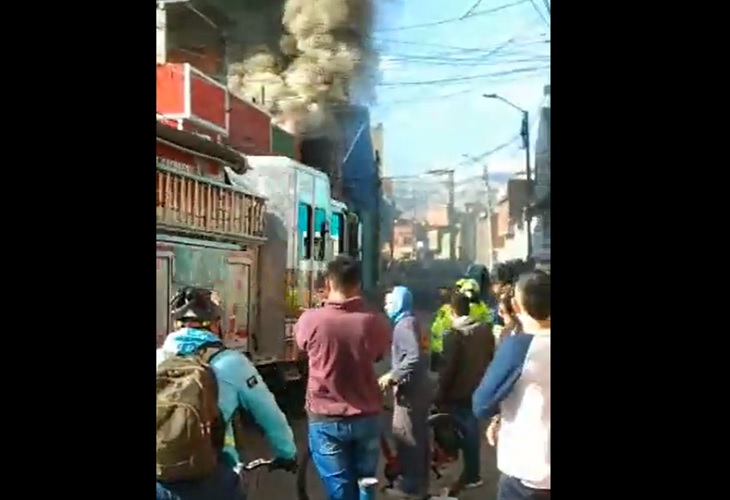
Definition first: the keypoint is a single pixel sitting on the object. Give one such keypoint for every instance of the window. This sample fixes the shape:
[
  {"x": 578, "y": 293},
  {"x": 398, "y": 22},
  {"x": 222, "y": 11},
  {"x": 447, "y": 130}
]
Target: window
[
  {"x": 338, "y": 232},
  {"x": 321, "y": 230},
  {"x": 304, "y": 231}
]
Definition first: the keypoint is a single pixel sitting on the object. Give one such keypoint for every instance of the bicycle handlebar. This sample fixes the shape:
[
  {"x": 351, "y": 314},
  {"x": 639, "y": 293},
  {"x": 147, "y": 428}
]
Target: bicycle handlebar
[{"x": 254, "y": 464}]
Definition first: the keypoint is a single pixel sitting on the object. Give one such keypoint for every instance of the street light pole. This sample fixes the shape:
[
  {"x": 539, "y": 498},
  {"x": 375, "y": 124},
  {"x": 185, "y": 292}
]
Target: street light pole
[{"x": 525, "y": 134}]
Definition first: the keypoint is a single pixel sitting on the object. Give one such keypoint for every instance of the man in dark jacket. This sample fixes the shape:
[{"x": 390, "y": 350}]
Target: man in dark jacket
[{"x": 468, "y": 349}]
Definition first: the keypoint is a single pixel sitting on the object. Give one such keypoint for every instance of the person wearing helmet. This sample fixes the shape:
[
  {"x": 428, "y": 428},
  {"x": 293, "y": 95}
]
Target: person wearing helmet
[
  {"x": 478, "y": 311},
  {"x": 197, "y": 314}
]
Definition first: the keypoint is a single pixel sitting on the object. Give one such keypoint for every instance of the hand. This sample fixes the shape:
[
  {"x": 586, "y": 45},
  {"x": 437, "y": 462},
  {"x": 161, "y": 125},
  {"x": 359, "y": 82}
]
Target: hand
[
  {"x": 287, "y": 464},
  {"x": 492, "y": 432},
  {"x": 386, "y": 381}
]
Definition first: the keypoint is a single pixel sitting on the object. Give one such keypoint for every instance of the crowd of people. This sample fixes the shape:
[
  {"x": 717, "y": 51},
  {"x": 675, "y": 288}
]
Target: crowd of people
[{"x": 486, "y": 357}]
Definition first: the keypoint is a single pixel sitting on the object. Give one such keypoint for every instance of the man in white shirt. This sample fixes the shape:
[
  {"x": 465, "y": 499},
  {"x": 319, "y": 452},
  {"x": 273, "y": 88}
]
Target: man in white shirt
[{"x": 515, "y": 393}]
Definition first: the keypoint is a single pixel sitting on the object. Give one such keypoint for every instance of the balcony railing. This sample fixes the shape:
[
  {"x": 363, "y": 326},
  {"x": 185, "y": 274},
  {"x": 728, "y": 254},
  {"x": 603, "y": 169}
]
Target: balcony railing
[{"x": 191, "y": 204}]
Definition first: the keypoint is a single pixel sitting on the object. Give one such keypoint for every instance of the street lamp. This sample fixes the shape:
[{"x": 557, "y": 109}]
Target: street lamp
[{"x": 525, "y": 133}]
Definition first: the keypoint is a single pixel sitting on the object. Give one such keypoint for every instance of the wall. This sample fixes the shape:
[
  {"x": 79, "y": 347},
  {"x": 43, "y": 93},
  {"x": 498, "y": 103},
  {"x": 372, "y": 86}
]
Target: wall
[
  {"x": 359, "y": 172},
  {"x": 541, "y": 224},
  {"x": 249, "y": 128},
  {"x": 283, "y": 143},
  {"x": 404, "y": 240},
  {"x": 360, "y": 184},
  {"x": 437, "y": 216},
  {"x": 514, "y": 247},
  {"x": 191, "y": 39}
]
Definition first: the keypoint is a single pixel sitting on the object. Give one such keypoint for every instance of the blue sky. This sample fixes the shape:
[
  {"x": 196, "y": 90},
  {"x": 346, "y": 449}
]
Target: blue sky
[{"x": 432, "y": 125}]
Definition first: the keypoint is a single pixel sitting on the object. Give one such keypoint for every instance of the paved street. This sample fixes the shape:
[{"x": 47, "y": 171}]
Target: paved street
[
  {"x": 264, "y": 485},
  {"x": 281, "y": 485}
]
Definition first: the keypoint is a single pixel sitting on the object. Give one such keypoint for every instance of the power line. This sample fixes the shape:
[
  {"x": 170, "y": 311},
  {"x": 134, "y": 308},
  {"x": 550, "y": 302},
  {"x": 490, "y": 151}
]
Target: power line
[
  {"x": 449, "y": 47},
  {"x": 539, "y": 12},
  {"x": 466, "y": 78},
  {"x": 472, "y": 9},
  {"x": 455, "y": 19}
]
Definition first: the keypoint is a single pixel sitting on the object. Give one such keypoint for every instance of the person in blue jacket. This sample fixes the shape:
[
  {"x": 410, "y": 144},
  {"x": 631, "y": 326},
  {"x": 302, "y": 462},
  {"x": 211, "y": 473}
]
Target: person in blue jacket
[{"x": 239, "y": 386}]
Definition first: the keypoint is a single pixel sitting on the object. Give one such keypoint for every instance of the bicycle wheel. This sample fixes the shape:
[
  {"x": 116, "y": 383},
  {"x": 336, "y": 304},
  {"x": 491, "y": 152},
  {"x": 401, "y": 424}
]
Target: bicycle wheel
[{"x": 305, "y": 464}]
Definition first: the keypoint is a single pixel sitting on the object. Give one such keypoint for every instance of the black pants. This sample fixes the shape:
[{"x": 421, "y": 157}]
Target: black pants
[
  {"x": 511, "y": 488},
  {"x": 435, "y": 361}
]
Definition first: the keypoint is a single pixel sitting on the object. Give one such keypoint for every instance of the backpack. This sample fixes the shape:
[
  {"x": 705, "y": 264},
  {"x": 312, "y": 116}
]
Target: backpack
[{"x": 190, "y": 429}]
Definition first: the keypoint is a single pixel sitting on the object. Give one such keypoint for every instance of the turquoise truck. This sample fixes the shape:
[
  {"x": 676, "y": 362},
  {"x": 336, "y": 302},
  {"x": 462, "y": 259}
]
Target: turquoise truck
[{"x": 261, "y": 238}]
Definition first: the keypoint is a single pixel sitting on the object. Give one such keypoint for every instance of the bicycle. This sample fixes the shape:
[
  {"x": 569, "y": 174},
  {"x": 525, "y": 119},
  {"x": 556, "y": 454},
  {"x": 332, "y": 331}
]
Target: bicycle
[
  {"x": 441, "y": 456},
  {"x": 243, "y": 468}
]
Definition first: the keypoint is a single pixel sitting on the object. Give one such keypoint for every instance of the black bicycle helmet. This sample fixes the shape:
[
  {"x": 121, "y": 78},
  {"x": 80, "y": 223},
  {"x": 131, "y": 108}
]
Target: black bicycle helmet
[{"x": 194, "y": 304}]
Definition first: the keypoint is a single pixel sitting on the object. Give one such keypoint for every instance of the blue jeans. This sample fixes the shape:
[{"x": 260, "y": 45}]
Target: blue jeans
[
  {"x": 344, "y": 451},
  {"x": 471, "y": 444},
  {"x": 223, "y": 484}
]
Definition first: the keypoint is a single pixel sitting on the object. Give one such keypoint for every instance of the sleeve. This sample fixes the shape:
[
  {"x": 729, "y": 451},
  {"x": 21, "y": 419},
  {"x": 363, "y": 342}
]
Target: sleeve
[
  {"x": 406, "y": 337},
  {"x": 302, "y": 332},
  {"x": 503, "y": 372},
  {"x": 255, "y": 397},
  {"x": 451, "y": 356},
  {"x": 382, "y": 336}
]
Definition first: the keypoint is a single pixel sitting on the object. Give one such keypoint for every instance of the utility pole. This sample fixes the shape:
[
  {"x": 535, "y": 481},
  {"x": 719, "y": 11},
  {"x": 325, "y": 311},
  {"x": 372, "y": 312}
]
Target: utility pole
[
  {"x": 450, "y": 212},
  {"x": 525, "y": 133},
  {"x": 490, "y": 242}
]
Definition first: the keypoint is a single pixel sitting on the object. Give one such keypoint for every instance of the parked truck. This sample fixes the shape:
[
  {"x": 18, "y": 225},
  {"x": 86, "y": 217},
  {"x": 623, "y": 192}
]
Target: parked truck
[{"x": 261, "y": 239}]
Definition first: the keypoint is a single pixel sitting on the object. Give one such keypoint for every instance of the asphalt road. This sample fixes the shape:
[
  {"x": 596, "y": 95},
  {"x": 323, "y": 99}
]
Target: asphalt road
[
  {"x": 264, "y": 485},
  {"x": 278, "y": 485}
]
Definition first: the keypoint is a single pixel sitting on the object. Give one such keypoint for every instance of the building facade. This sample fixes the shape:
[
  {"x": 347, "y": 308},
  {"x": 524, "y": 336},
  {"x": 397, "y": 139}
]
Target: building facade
[{"x": 541, "y": 209}]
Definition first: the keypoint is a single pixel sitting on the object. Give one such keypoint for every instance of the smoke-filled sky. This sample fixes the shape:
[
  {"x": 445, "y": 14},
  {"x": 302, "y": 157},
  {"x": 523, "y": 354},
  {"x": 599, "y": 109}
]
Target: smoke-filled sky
[{"x": 301, "y": 58}]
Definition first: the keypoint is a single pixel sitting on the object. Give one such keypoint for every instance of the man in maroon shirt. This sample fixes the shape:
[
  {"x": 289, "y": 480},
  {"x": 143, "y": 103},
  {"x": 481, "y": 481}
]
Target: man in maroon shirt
[{"x": 343, "y": 339}]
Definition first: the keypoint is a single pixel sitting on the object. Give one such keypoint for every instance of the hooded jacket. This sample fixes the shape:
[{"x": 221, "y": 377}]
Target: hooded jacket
[
  {"x": 239, "y": 384},
  {"x": 442, "y": 322},
  {"x": 409, "y": 353},
  {"x": 468, "y": 349}
]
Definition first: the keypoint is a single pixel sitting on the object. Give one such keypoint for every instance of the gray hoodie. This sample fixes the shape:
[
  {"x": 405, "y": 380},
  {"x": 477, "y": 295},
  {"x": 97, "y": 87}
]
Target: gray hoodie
[{"x": 409, "y": 360}]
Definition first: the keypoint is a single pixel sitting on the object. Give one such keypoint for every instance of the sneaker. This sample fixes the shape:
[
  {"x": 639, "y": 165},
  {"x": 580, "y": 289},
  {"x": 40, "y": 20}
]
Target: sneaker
[
  {"x": 460, "y": 486},
  {"x": 473, "y": 484}
]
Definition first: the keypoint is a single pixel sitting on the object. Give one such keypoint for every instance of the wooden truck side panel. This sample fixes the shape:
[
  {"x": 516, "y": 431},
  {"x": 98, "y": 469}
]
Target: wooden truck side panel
[{"x": 224, "y": 268}]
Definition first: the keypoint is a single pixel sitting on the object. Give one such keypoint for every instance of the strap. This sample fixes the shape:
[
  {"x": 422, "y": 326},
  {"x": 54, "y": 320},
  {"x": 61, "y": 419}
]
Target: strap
[{"x": 210, "y": 350}]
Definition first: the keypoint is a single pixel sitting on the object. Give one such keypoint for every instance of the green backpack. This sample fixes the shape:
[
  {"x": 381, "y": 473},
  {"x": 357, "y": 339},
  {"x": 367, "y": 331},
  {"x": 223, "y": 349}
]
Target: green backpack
[{"x": 190, "y": 429}]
